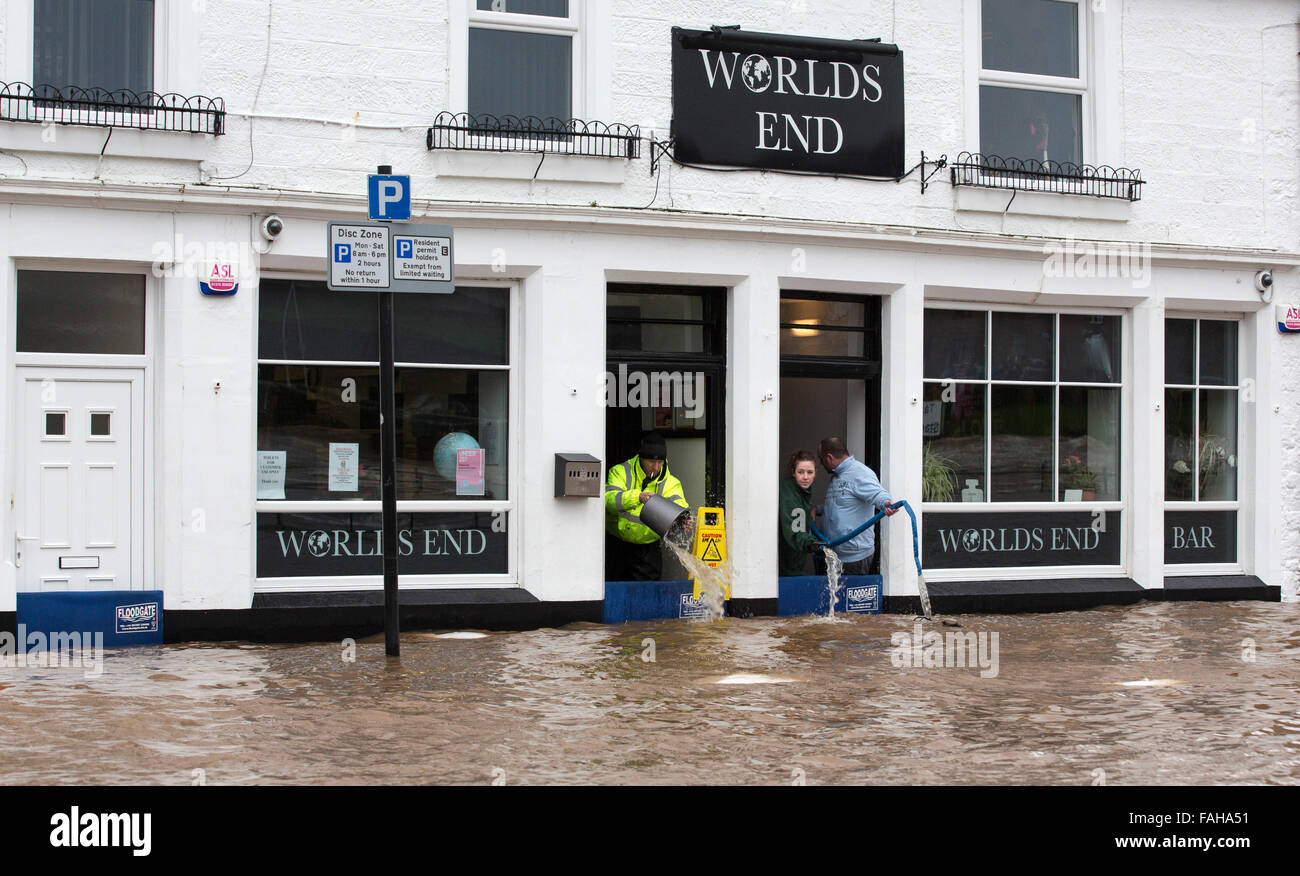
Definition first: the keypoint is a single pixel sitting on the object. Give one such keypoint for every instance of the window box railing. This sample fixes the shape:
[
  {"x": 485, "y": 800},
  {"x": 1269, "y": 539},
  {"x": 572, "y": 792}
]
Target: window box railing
[
  {"x": 993, "y": 171},
  {"x": 101, "y": 108},
  {"x": 489, "y": 133}
]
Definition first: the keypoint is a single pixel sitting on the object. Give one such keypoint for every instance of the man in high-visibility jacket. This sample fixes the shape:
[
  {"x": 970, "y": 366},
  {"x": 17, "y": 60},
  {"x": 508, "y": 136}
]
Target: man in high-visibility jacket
[{"x": 632, "y": 549}]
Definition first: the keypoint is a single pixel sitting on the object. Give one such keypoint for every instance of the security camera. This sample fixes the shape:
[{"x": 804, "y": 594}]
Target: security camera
[
  {"x": 1264, "y": 284},
  {"x": 272, "y": 227}
]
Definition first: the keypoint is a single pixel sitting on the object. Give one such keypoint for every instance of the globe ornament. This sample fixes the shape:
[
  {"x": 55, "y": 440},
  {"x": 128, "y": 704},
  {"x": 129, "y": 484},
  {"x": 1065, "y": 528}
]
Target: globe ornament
[
  {"x": 444, "y": 452},
  {"x": 756, "y": 73},
  {"x": 318, "y": 543}
]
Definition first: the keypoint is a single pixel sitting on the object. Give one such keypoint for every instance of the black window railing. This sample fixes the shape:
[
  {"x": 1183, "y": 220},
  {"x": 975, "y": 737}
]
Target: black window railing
[
  {"x": 1030, "y": 175},
  {"x": 101, "y": 108},
  {"x": 489, "y": 133}
]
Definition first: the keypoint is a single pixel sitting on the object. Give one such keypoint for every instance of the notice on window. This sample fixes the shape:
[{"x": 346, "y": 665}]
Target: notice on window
[
  {"x": 343, "y": 467},
  {"x": 270, "y": 474},
  {"x": 469, "y": 472},
  {"x": 932, "y": 419}
]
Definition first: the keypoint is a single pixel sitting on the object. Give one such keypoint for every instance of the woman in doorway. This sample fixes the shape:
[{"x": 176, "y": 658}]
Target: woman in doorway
[{"x": 796, "y": 522}]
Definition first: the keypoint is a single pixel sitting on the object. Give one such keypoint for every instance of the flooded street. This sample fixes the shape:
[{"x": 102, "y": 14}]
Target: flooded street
[{"x": 1159, "y": 693}]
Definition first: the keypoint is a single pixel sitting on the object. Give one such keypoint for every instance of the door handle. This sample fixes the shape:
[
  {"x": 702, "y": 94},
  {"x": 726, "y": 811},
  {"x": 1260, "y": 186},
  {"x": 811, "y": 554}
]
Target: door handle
[{"x": 18, "y": 547}]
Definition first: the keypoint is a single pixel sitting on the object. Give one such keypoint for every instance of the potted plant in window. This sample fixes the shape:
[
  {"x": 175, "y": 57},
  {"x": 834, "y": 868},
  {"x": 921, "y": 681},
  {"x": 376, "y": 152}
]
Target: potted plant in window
[
  {"x": 1077, "y": 477},
  {"x": 938, "y": 477}
]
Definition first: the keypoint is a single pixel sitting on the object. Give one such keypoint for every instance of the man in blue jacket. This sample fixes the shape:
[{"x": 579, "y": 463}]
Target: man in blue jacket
[{"x": 852, "y": 498}]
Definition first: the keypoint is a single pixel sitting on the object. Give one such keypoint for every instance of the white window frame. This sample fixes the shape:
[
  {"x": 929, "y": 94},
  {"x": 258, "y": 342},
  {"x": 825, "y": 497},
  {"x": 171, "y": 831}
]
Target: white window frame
[
  {"x": 511, "y": 505},
  {"x": 589, "y": 26},
  {"x": 1099, "y": 59},
  {"x": 1178, "y": 570},
  {"x": 176, "y": 43},
  {"x": 1122, "y": 504}
]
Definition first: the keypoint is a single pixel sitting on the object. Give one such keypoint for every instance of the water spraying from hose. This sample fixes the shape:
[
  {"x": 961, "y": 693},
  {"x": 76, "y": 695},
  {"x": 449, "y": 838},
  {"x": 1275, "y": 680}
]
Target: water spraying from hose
[{"x": 916, "y": 552}]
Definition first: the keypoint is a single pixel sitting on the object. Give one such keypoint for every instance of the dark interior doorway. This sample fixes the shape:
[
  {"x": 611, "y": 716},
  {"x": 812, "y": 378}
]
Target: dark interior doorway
[
  {"x": 830, "y": 378},
  {"x": 666, "y": 372}
]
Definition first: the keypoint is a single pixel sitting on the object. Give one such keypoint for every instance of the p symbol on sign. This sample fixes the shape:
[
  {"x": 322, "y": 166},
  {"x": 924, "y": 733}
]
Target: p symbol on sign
[
  {"x": 405, "y": 248},
  {"x": 390, "y": 198},
  {"x": 390, "y": 192},
  {"x": 342, "y": 252}
]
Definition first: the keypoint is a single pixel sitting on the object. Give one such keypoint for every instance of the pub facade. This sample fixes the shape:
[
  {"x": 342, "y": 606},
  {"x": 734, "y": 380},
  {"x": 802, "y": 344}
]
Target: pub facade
[{"x": 1025, "y": 257}]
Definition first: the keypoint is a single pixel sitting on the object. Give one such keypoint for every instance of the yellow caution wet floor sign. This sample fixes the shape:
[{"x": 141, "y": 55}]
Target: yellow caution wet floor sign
[{"x": 711, "y": 545}]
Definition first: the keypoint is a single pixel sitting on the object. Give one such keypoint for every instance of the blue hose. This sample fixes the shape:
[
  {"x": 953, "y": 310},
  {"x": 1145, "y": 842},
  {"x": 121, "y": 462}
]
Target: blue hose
[{"x": 901, "y": 503}]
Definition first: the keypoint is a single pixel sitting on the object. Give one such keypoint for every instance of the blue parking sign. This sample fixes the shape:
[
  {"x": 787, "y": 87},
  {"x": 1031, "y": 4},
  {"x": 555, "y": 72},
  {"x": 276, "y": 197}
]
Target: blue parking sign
[
  {"x": 342, "y": 252},
  {"x": 405, "y": 248},
  {"x": 390, "y": 198}
]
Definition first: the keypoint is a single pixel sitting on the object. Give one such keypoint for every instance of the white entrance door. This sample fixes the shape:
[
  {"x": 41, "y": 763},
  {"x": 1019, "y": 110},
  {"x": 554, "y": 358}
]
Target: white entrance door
[{"x": 79, "y": 502}]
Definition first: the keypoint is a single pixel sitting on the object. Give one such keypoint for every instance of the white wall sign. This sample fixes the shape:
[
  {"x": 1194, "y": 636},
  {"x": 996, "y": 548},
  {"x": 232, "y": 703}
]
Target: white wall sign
[
  {"x": 408, "y": 257},
  {"x": 359, "y": 256},
  {"x": 344, "y": 467},
  {"x": 270, "y": 473}
]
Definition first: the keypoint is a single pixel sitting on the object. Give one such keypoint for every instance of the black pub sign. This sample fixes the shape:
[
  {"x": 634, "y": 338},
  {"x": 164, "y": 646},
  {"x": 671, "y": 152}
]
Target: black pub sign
[
  {"x": 1021, "y": 538},
  {"x": 747, "y": 99}
]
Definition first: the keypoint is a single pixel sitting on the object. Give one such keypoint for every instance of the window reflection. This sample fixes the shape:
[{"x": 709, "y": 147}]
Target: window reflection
[
  {"x": 1020, "y": 458},
  {"x": 955, "y": 344},
  {"x": 302, "y": 409},
  {"x": 954, "y": 440},
  {"x": 1089, "y": 443},
  {"x": 1023, "y": 346}
]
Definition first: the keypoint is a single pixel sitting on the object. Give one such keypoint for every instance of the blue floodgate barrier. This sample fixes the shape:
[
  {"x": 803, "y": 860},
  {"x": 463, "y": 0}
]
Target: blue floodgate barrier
[
  {"x": 651, "y": 600},
  {"x": 806, "y": 594},
  {"x": 123, "y": 617}
]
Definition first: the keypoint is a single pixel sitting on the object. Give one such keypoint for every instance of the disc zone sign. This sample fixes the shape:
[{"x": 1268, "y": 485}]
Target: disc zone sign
[{"x": 391, "y": 258}]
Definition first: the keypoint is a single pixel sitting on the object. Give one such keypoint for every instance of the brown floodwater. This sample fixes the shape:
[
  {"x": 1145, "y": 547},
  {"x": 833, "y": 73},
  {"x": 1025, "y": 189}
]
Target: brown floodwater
[{"x": 1157, "y": 693}]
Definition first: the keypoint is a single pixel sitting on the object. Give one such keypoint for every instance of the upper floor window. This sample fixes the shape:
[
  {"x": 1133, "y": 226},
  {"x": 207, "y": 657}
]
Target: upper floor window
[
  {"x": 107, "y": 44},
  {"x": 1033, "y": 81},
  {"x": 524, "y": 58}
]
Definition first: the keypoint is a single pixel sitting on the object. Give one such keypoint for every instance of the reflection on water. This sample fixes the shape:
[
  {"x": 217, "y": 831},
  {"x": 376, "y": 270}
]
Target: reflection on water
[{"x": 1177, "y": 693}]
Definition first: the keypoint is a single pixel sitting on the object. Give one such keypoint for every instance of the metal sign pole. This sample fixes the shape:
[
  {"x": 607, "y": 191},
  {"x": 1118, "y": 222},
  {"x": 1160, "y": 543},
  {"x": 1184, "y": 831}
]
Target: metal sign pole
[
  {"x": 380, "y": 257},
  {"x": 388, "y": 469},
  {"x": 388, "y": 464}
]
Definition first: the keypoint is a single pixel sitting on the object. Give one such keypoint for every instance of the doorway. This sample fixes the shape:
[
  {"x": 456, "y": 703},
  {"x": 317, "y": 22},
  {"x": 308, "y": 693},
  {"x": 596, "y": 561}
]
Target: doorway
[
  {"x": 830, "y": 379},
  {"x": 666, "y": 372},
  {"x": 79, "y": 499},
  {"x": 80, "y": 431}
]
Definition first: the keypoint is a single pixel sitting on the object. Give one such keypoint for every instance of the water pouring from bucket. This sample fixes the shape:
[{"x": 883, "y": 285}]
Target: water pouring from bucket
[{"x": 674, "y": 524}]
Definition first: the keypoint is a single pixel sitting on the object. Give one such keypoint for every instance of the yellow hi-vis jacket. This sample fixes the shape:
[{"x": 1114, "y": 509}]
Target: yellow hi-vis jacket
[{"x": 623, "y": 488}]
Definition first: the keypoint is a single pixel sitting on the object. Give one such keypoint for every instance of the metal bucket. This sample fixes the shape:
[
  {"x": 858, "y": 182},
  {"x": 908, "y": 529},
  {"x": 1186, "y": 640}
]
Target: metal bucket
[{"x": 662, "y": 514}]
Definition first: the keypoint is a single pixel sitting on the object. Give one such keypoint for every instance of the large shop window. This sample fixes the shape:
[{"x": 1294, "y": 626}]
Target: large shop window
[
  {"x": 318, "y": 389},
  {"x": 1201, "y": 453},
  {"x": 1033, "y": 83},
  {"x": 318, "y": 430},
  {"x": 522, "y": 57},
  {"x": 107, "y": 44},
  {"x": 1021, "y": 407}
]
